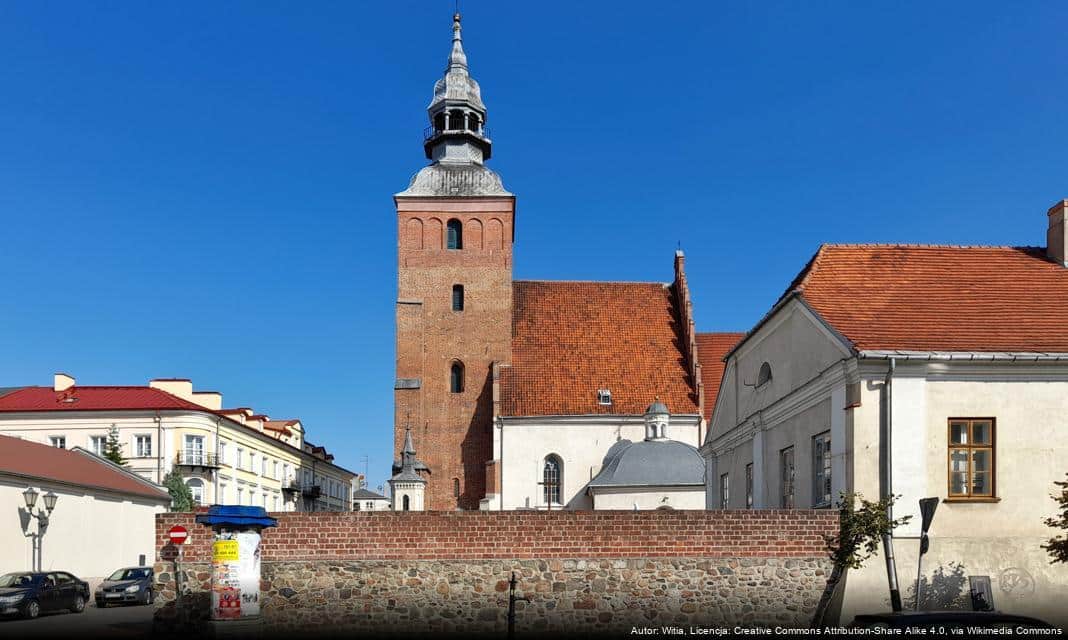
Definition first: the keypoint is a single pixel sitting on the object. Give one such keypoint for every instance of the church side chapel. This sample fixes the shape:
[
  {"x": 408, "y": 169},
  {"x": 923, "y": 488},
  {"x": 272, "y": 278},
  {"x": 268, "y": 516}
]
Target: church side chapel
[{"x": 530, "y": 394}]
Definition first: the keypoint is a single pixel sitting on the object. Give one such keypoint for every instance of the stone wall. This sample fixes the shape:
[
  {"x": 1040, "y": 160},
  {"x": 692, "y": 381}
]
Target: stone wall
[{"x": 590, "y": 571}]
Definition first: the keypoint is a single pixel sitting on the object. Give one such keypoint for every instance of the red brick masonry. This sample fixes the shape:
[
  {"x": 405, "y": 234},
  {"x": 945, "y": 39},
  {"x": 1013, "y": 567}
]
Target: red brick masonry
[{"x": 475, "y": 535}]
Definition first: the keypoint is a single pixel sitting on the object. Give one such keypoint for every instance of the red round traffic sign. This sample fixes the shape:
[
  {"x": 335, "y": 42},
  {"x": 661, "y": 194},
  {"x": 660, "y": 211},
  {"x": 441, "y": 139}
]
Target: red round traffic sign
[{"x": 178, "y": 534}]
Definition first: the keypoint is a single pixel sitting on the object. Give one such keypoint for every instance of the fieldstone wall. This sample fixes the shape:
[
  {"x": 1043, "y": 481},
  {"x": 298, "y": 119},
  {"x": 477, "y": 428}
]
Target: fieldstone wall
[{"x": 592, "y": 587}]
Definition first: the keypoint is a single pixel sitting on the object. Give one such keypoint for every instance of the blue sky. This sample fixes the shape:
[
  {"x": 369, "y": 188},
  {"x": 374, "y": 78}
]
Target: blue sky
[{"x": 203, "y": 190}]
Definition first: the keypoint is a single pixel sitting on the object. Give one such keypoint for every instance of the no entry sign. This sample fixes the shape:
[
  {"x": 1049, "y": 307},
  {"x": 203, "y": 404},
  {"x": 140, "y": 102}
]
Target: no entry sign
[{"x": 178, "y": 534}]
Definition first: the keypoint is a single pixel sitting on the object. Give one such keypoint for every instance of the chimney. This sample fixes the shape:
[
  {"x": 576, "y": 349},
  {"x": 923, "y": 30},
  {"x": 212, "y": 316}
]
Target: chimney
[
  {"x": 1057, "y": 234},
  {"x": 208, "y": 399},
  {"x": 180, "y": 387},
  {"x": 62, "y": 382}
]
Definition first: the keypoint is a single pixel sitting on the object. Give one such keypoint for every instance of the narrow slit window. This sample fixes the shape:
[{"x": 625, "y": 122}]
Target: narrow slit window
[
  {"x": 457, "y": 297},
  {"x": 456, "y": 378}
]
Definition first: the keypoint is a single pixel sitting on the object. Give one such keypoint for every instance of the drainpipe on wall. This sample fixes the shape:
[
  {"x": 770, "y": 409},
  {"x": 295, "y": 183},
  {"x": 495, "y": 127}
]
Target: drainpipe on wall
[
  {"x": 159, "y": 449},
  {"x": 887, "y": 487}
]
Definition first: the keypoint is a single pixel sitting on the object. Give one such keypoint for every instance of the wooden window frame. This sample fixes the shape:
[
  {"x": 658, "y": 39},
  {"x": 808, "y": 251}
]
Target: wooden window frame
[{"x": 970, "y": 447}]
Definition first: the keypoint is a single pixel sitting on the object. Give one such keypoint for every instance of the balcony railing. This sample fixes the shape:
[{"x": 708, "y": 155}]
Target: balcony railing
[
  {"x": 193, "y": 458},
  {"x": 433, "y": 132}
]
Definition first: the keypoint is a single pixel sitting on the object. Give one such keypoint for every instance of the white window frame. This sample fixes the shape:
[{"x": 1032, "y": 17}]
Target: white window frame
[
  {"x": 821, "y": 470},
  {"x": 93, "y": 440},
  {"x": 59, "y": 442},
  {"x": 143, "y": 452}
]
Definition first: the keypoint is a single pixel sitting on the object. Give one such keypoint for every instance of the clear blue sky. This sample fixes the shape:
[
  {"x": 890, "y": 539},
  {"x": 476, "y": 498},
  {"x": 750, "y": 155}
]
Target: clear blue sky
[{"x": 203, "y": 190}]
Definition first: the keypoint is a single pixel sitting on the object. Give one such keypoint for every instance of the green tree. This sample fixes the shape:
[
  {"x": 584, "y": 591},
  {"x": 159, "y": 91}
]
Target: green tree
[
  {"x": 1057, "y": 546},
  {"x": 860, "y": 528},
  {"x": 113, "y": 448},
  {"x": 181, "y": 496}
]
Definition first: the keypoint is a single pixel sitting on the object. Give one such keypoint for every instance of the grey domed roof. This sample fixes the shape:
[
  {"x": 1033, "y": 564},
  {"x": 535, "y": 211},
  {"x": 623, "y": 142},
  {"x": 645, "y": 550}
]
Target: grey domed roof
[
  {"x": 650, "y": 463},
  {"x": 657, "y": 407},
  {"x": 442, "y": 179}
]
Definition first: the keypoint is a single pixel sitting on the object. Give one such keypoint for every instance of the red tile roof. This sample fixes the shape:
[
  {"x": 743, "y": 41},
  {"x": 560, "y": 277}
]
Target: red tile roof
[
  {"x": 26, "y": 458},
  {"x": 711, "y": 348},
  {"x": 280, "y": 426},
  {"x": 939, "y": 298},
  {"x": 570, "y": 339},
  {"x": 80, "y": 398}
]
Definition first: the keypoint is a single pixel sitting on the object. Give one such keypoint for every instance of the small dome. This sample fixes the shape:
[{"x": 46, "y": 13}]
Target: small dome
[
  {"x": 651, "y": 462},
  {"x": 657, "y": 407}
]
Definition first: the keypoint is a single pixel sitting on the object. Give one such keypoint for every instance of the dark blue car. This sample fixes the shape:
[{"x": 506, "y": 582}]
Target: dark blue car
[{"x": 29, "y": 593}]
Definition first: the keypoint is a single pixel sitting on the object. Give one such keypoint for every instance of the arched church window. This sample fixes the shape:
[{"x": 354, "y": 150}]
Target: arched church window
[
  {"x": 457, "y": 297},
  {"x": 552, "y": 477},
  {"x": 456, "y": 487},
  {"x": 456, "y": 377},
  {"x": 405, "y": 503},
  {"x": 454, "y": 237},
  {"x": 764, "y": 376}
]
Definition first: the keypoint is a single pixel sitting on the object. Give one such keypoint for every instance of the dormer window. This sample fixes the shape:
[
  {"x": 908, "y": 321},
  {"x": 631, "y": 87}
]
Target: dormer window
[
  {"x": 764, "y": 376},
  {"x": 604, "y": 397}
]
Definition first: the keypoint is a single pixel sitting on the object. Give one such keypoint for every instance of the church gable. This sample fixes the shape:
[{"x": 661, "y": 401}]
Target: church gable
[{"x": 571, "y": 340}]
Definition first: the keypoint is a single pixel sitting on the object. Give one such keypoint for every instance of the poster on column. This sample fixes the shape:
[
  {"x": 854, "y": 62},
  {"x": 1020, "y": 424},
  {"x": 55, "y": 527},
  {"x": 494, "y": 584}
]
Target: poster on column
[{"x": 235, "y": 560}]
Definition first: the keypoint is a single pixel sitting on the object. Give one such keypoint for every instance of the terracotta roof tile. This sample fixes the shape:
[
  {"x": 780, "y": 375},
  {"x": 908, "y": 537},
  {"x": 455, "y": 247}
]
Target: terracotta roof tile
[
  {"x": 27, "y": 458},
  {"x": 939, "y": 298},
  {"x": 711, "y": 348},
  {"x": 570, "y": 339}
]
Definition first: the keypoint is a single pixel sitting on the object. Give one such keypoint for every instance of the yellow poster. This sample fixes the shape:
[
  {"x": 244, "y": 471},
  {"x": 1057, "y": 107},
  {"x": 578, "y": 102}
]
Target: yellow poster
[{"x": 224, "y": 551}]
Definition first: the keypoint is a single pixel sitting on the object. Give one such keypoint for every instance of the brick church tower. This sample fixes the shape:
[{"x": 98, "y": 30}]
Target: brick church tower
[{"x": 454, "y": 294}]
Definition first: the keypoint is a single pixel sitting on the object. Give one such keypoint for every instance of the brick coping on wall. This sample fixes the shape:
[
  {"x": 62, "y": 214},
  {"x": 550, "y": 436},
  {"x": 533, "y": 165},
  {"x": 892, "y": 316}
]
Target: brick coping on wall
[{"x": 485, "y": 535}]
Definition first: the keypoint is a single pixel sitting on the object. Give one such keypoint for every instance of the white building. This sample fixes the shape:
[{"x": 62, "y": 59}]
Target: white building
[
  {"x": 919, "y": 371},
  {"x": 103, "y": 517},
  {"x": 225, "y": 456}
]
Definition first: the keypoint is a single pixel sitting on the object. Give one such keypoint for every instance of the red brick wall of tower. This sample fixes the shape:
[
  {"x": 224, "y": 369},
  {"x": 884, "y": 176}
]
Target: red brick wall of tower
[{"x": 452, "y": 432}]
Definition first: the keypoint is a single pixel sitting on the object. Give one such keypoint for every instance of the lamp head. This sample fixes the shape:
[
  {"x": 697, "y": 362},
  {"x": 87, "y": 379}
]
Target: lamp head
[
  {"x": 50, "y": 501},
  {"x": 30, "y": 496}
]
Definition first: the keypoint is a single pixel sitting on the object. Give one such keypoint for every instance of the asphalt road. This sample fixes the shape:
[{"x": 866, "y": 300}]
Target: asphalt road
[{"x": 119, "y": 622}]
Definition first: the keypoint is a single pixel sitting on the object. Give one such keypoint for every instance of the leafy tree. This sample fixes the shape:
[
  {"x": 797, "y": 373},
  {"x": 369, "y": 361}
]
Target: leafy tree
[
  {"x": 113, "y": 448},
  {"x": 181, "y": 496},
  {"x": 859, "y": 531},
  {"x": 1057, "y": 547}
]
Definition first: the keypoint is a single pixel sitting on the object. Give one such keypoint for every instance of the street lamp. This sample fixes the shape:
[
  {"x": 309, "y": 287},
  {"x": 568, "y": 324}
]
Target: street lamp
[{"x": 30, "y": 497}]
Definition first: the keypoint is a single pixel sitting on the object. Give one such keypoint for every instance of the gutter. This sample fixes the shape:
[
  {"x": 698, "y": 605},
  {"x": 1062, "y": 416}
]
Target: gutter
[{"x": 964, "y": 356}]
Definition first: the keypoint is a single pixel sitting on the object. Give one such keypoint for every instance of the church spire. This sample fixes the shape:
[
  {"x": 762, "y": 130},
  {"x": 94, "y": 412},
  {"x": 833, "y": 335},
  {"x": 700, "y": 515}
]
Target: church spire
[
  {"x": 457, "y": 58},
  {"x": 457, "y": 132},
  {"x": 457, "y": 142}
]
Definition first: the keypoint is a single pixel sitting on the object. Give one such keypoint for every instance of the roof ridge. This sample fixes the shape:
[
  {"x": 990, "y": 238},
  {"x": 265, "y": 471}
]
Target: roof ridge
[
  {"x": 924, "y": 245},
  {"x": 806, "y": 274},
  {"x": 663, "y": 284}
]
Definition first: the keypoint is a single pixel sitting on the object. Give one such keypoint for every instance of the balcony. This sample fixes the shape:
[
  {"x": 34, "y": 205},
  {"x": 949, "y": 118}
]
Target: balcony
[
  {"x": 432, "y": 132},
  {"x": 309, "y": 491},
  {"x": 195, "y": 458}
]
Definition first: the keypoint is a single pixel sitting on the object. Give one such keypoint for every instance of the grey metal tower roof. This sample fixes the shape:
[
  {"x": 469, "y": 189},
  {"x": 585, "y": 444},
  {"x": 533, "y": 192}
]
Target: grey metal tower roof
[
  {"x": 657, "y": 407},
  {"x": 650, "y": 463},
  {"x": 457, "y": 140},
  {"x": 409, "y": 464}
]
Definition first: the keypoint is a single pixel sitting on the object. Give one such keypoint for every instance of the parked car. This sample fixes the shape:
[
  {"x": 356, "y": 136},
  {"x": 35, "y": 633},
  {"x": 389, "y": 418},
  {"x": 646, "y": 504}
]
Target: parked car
[
  {"x": 132, "y": 584},
  {"x": 28, "y": 593},
  {"x": 943, "y": 621}
]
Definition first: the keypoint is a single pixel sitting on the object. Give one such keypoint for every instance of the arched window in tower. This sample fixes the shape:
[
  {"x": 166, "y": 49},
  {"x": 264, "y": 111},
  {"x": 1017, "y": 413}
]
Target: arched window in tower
[
  {"x": 456, "y": 487},
  {"x": 457, "y": 297},
  {"x": 764, "y": 376},
  {"x": 406, "y": 504},
  {"x": 456, "y": 377},
  {"x": 456, "y": 120},
  {"x": 454, "y": 235},
  {"x": 439, "y": 122},
  {"x": 552, "y": 477}
]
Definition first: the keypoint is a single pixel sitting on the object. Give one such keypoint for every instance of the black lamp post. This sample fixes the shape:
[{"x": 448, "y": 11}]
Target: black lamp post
[{"x": 30, "y": 496}]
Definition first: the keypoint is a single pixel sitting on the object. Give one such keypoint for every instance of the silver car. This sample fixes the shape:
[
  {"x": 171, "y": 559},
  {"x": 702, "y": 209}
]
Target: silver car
[{"x": 129, "y": 585}]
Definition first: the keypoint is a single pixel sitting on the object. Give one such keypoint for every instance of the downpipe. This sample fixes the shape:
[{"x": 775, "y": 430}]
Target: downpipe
[{"x": 887, "y": 488}]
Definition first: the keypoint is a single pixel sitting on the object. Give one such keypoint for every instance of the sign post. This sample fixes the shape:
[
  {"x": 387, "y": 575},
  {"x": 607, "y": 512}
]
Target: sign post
[
  {"x": 178, "y": 535},
  {"x": 928, "y": 506}
]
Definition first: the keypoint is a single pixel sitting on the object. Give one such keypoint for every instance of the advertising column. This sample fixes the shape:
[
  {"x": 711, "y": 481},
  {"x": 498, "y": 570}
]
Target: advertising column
[{"x": 235, "y": 560}]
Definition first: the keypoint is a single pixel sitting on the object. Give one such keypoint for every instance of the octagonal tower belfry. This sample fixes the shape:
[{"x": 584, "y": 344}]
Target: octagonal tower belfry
[{"x": 454, "y": 294}]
